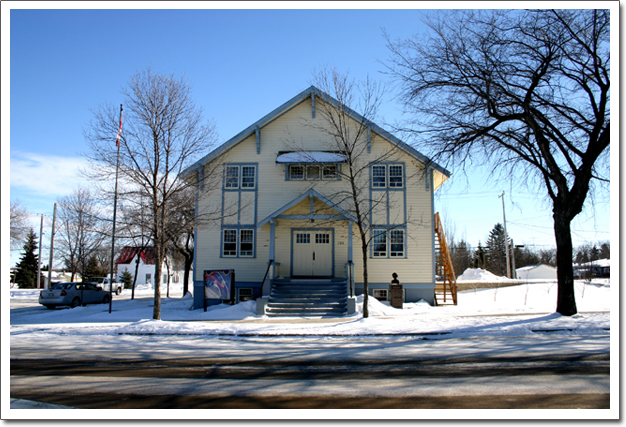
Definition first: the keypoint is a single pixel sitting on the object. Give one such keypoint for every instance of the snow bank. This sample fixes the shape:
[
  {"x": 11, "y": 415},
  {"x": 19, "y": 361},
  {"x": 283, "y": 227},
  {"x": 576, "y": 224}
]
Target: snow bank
[
  {"x": 516, "y": 310},
  {"x": 480, "y": 275}
]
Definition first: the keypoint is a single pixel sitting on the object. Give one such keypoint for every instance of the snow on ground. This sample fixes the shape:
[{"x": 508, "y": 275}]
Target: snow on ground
[{"x": 512, "y": 310}]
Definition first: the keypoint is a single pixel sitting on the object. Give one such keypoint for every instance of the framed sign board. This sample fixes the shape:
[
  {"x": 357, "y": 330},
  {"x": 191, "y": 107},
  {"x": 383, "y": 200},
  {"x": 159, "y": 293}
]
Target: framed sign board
[{"x": 219, "y": 285}]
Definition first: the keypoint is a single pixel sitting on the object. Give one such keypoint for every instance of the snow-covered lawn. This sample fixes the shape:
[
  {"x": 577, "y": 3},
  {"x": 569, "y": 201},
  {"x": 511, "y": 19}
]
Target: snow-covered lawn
[{"x": 512, "y": 310}]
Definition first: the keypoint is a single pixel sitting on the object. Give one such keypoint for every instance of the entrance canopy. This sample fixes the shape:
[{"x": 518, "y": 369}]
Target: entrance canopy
[{"x": 278, "y": 214}]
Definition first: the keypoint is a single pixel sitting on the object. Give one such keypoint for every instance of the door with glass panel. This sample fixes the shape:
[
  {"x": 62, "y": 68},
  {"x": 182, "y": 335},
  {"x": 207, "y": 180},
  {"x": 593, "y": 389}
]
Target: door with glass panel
[{"x": 312, "y": 253}]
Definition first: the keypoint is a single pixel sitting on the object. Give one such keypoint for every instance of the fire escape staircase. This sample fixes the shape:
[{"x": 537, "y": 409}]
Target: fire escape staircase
[{"x": 445, "y": 284}]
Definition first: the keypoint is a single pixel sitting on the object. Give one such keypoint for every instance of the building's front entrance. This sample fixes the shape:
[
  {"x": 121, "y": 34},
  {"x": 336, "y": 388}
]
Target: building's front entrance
[{"x": 312, "y": 253}]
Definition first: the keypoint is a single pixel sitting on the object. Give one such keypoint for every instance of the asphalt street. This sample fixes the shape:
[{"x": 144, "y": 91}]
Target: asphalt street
[{"x": 307, "y": 374}]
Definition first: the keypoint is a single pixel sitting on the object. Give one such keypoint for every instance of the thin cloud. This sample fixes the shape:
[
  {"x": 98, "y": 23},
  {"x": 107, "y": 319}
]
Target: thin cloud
[{"x": 46, "y": 175}]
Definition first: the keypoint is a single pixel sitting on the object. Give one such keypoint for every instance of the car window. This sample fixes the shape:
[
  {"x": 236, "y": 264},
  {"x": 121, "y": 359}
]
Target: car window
[{"x": 90, "y": 287}]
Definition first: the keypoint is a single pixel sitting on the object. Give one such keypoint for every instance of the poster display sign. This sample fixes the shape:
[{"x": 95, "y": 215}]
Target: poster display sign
[{"x": 219, "y": 285}]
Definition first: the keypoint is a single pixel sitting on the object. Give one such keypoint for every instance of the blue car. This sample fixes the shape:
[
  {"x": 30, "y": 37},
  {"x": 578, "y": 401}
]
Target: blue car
[{"x": 73, "y": 294}]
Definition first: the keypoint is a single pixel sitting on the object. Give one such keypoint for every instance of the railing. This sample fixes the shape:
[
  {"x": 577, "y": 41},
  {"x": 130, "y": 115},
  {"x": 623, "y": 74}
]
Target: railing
[{"x": 269, "y": 265}]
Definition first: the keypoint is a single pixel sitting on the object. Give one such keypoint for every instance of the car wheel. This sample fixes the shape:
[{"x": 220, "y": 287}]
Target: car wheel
[
  {"x": 75, "y": 302},
  {"x": 106, "y": 299},
  {"x": 118, "y": 291},
  {"x": 51, "y": 307}
]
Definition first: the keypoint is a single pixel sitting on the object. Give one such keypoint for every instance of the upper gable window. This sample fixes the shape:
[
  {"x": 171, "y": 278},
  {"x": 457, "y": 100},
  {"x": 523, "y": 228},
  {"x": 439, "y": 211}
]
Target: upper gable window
[
  {"x": 396, "y": 177},
  {"x": 240, "y": 176},
  {"x": 312, "y": 172},
  {"x": 329, "y": 172},
  {"x": 388, "y": 176},
  {"x": 248, "y": 174},
  {"x": 232, "y": 177},
  {"x": 379, "y": 176},
  {"x": 296, "y": 172}
]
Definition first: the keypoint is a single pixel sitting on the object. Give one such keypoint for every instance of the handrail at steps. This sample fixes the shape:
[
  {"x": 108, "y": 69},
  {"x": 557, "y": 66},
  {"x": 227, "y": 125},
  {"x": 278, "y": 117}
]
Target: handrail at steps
[{"x": 269, "y": 264}]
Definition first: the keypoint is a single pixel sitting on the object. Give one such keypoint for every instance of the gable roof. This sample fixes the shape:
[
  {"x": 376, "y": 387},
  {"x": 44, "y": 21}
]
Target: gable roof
[
  {"x": 147, "y": 255},
  {"x": 296, "y": 100},
  {"x": 310, "y": 193}
]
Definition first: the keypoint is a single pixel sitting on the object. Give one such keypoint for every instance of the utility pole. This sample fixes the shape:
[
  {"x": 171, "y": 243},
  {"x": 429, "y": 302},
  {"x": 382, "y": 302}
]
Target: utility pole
[
  {"x": 506, "y": 240},
  {"x": 117, "y": 172},
  {"x": 39, "y": 261},
  {"x": 54, "y": 219}
]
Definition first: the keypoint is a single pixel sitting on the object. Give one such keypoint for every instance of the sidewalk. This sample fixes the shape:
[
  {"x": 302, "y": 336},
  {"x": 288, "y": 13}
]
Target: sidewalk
[{"x": 30, "y": 404}]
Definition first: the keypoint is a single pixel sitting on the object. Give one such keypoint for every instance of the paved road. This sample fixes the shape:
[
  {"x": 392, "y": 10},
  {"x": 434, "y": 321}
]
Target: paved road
[{"x": 316, "y": 373}]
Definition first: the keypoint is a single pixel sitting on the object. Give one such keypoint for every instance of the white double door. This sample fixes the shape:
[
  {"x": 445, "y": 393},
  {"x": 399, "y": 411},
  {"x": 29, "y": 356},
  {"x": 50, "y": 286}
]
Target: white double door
[{"x": 312, "y": 253}]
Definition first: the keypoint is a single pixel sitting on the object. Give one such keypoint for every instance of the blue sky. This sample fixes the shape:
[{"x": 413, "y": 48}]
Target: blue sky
[{"x": 241, "y": 65}]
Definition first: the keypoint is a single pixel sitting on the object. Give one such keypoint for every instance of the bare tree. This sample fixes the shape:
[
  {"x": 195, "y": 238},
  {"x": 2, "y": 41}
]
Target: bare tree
[
  {"x": 184, "y": 223},
  {"x": 348, "y": 136},
  {"x": 164, "y": 132},
  {"x": 525, "y": 91},
  {"x": 81, "y": 230},
  {"x": 19, "y": 224}
]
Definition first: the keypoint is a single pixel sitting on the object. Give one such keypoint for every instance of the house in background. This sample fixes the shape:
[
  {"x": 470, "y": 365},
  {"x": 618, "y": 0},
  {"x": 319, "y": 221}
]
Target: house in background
[
  {"x": 289, "y": 237},
  {"x": 597, "y": 268},
  {"x": 536, "y": 272},
  {"x": 130, "y": 256}
]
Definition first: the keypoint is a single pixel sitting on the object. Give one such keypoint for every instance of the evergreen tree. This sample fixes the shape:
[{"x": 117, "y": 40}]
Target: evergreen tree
[
  {"x": 127, "y": 279},
  {"x": 496, "y": 258},
  {"x": 461, "y": 257},
  {"x": 26, "y": 275},
  {"x": 93, "y": 269},
  {"x": 480, "y": 257}
]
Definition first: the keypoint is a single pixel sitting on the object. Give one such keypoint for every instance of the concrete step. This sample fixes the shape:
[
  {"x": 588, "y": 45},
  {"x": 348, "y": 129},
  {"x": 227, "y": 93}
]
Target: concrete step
[{"x": 308, "y": 297}]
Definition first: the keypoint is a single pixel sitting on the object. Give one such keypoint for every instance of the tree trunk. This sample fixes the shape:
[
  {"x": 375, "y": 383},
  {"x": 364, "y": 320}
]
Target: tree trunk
[
  {"x": 156, "y": 313},
  {"x": 188, "y": 264},
  {"x": 566, "y": 302},
  {"x": 366, "y": 288},
  {"x": 136, "y": 271}
]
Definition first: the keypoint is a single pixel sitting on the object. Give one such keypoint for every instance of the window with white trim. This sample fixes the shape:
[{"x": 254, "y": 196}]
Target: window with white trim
[
  {"x": 313, "y": 172},
  {"x": 232, "y": 177},
  {"x": 396, "y": 176},
  {"x": 244, "y": 294},
  {"x": 240, "y": 176},
  {"x": 380, "y": 244},
  {"x": 248, "y": 176},
  {"x": 388, "y": 176},
  {"x": 238, "y": 243},
  {"x": 379, "y": 176},
  {"x": 380, "y": 294},
  {"x": 296, "y": 172},
  {"x": 396, "y": 243},
  {"x": 388, "y": 243},
  {"x": 329, "y": 172}
]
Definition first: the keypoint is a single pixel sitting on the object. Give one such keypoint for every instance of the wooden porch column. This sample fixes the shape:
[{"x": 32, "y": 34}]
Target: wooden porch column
[
  {"x": 350, "y": 241},
  {"x": 272, "y": 239}
]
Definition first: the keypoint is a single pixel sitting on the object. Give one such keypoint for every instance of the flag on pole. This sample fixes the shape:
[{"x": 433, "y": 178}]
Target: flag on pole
[{"x": 119, "y": 131}]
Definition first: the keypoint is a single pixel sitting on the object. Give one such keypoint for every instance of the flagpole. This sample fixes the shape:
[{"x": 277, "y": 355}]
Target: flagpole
[{"x": 117, "y": 170}]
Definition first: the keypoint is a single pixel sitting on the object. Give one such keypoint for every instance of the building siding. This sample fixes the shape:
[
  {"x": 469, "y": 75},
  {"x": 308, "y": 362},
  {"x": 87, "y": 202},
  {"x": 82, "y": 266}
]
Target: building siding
[{"x": 292, "y": 131}]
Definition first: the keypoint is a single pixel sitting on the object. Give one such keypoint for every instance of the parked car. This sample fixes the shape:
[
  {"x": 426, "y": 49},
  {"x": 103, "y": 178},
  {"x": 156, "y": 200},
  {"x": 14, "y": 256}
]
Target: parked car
[
  {"x": 73, "y": 294},
  {"x": 104, "y": 283}
]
